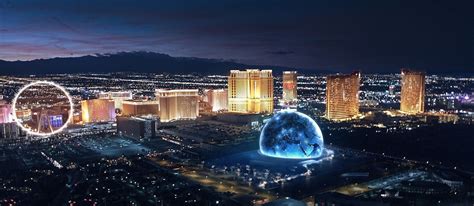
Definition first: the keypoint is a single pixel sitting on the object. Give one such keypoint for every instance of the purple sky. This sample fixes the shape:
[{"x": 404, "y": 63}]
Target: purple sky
[{"x": 310, "y": 34}]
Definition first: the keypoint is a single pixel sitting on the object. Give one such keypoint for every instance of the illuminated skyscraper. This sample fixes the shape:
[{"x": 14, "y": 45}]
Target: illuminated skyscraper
[
  {"x": 413, "y": 92},
  {"x": 140, "y": 108},
  {"x": 178, "y": 104},
  {"x": 118, "y": 98},
  {"x": 250, "y": 91},
  {"x": 217, "y": 98},
  {"x": 342, "y": 96},
  {"x": 97, "y": 110},
  {"x": 6, "y": 114},
  {"x": 289, "y": 88}
]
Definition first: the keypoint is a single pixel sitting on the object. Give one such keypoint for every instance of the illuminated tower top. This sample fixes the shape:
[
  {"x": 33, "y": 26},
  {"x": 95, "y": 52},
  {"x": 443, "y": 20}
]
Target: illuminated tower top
[{"x": 413, "y": 92}]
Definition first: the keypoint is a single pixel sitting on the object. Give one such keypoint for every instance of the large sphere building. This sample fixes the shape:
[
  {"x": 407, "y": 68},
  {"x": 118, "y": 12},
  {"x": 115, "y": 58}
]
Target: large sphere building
[{"x": 290, "y": 134}]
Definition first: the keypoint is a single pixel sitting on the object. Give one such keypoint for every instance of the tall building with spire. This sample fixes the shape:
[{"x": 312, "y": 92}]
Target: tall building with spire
[
  {"x": 250, "y": 91},
  {"x": 413, "y": 92},
  {"x": 289, "y": 96},
  {"x": 342, "y": 96}
]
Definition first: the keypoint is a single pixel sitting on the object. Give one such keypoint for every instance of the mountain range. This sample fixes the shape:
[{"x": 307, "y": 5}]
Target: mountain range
[
  {"x": 141, "y": 62},
  {"x": 152, "y": 62}
]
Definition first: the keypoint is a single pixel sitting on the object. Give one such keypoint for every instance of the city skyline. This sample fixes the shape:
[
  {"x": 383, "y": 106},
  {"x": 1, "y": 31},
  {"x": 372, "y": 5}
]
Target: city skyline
[
  {"x": 169, "y": 129},
  {"x": 236, "y": 103}
]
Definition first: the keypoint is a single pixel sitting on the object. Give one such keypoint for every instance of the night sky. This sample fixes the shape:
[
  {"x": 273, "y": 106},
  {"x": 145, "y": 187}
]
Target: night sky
[{"x": 376, "y": 35}]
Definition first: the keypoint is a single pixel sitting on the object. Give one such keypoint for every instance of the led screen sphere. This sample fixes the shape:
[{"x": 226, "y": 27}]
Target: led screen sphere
[{"x": 290, "y": 134}]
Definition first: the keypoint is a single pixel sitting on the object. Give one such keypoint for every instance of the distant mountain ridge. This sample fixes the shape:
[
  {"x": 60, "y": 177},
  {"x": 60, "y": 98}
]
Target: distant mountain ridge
[{"x": 141, "y": 62}]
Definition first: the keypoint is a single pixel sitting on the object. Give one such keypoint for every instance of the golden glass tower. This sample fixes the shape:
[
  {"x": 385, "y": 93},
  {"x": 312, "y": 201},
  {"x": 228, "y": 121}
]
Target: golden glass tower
[
  {"x": 178, "y": 104},
  {"x": 413, "y": 92},
  {"x": 250, "y": 91},
  {"x": 342, "y": 96},
  {"x": 98, "y": 110},
  {"x": 289, "y": 88}
]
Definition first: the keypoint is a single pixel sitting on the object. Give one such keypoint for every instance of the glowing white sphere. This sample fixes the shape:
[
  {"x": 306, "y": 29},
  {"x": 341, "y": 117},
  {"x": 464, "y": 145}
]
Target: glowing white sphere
[{"x": 290, "y": 134}]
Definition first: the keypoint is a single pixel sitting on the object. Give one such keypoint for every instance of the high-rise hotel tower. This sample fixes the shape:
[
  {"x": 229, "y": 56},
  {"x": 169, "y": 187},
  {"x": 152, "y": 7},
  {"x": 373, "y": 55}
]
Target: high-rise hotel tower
[
  {"x": 98, "y": 110},
  {"x": 177, "y": 104},
  {"x": 342, "y": 96},
  {"x": 289, "y": 88},
  {"x": 217, "y": 98},
  {"x": 413, "y": 92},
  {"x": 250, "y": 91}
]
